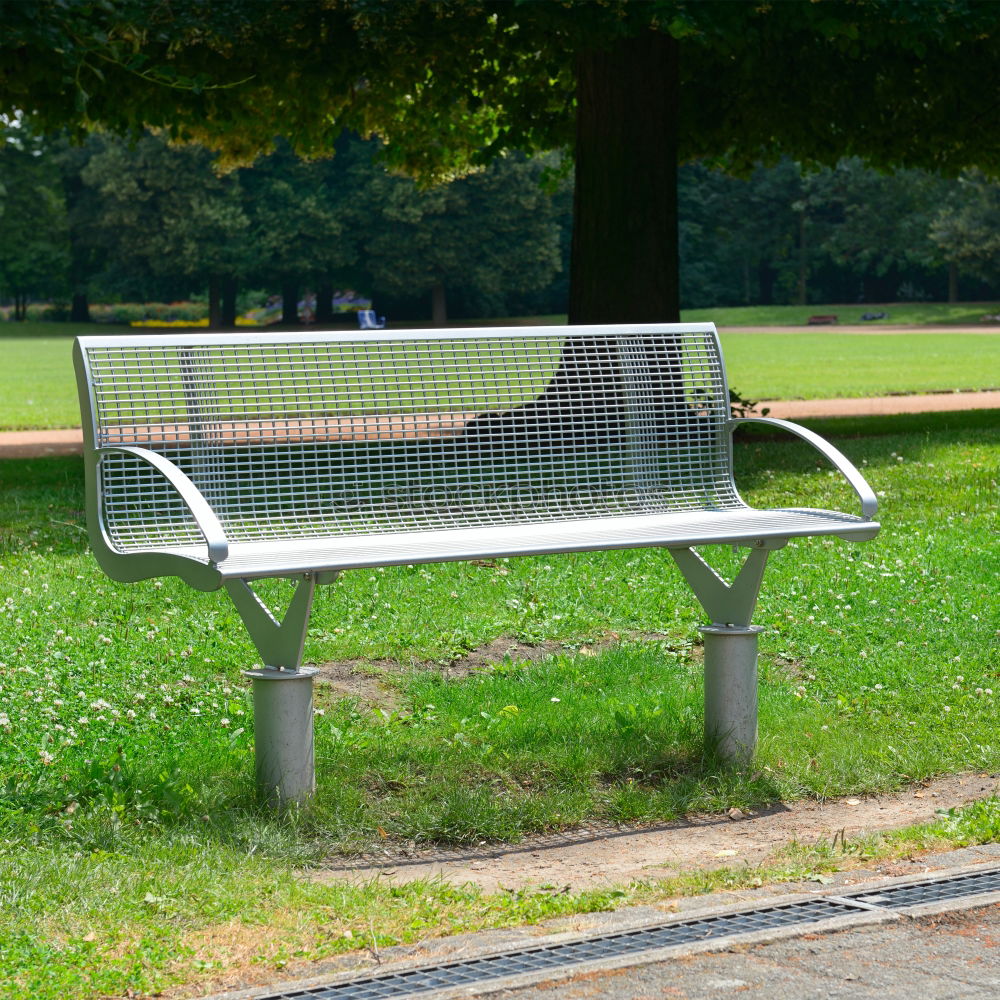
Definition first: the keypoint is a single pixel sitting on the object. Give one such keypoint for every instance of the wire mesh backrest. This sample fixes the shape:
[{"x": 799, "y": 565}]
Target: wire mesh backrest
[{"x": 307, "y": 435}]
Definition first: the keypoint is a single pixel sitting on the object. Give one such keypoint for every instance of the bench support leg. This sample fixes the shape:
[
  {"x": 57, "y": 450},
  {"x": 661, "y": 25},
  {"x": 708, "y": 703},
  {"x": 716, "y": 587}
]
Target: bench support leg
[
  {"x": 282, "y": 695},
  {"x": 730, "y": 649},
  {"x": 283, "y": 735},
  {"x": 731, "y": 690}
]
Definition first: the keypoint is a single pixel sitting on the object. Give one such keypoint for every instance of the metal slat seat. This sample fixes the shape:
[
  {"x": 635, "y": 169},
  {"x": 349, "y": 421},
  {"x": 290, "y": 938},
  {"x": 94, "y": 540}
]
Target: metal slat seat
[{"x": 258, "y": 559}]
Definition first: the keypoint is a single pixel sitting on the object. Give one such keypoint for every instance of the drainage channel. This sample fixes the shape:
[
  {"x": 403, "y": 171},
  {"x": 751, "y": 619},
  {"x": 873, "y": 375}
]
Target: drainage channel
[
  {"x": 899, "y": 897},
  {"x": 475, "y": 972}
]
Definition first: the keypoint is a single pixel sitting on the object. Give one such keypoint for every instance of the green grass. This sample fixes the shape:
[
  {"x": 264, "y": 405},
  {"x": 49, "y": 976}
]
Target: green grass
[
  {"x": 905, "y": 313},
  {"x": 830, "y": 365},
  {"x": 37, "y": 385},
  {"x": 132, "y": 854}
]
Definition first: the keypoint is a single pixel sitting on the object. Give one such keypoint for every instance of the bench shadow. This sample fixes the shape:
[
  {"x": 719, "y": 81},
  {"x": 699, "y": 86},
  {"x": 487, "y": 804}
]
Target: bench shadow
[{"x": 413, "y": 858}]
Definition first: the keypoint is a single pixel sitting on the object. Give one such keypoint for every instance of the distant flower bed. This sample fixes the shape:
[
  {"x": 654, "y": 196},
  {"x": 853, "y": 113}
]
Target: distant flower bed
[
  {"x": 163, "y": 323},
  {"x": 188, "y": 314}
]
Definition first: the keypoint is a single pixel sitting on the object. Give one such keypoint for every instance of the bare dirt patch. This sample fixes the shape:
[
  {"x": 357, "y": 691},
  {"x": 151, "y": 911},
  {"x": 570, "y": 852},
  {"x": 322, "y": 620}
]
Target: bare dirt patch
[
  {"x": 371, "y": 682},
  {"x": 605, "y": 856}
]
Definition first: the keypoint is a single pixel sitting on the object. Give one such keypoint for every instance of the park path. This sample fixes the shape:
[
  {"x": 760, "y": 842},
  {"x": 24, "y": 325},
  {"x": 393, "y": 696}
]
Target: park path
[{"x": 69, "y": 441}]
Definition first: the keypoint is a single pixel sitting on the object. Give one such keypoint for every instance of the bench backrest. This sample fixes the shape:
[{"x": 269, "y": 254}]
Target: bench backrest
[{"x": 304, "y": 434}]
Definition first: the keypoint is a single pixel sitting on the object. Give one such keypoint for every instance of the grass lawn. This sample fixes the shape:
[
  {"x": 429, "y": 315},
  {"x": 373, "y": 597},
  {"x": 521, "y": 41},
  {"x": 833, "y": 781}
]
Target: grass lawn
[
  {"x": 132, "y": 855},
  {"x": 907, "y": 313},
  {"x": 829, "y": 365},
  {"x": 38, "y": 390}
]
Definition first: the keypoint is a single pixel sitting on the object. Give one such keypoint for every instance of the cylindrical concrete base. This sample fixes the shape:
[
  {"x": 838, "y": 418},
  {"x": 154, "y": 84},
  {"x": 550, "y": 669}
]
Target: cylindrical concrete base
[
  {"x": 731, "y": 690},
  {"x": 283, "y": 745}
]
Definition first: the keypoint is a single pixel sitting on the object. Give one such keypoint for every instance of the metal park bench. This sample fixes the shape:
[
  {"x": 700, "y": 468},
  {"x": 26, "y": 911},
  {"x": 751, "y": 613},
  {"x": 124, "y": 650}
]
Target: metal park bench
[{"x": 227, "y": 458}]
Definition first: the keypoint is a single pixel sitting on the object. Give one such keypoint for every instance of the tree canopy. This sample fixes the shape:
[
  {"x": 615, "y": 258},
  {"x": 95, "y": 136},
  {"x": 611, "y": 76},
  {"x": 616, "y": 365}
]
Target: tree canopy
[{"x": 633, "y": 86}]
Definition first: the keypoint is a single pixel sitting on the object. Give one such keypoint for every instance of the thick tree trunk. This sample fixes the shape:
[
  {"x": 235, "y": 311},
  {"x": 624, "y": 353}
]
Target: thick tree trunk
[
  {"x": 624, "y": 260},
  {"x": 952, "y": 282},
  {"x": 228, "y": 311},
  {"x": 324, "y": 303},
  {"x": 624, "y": 265},
  {"x": 439, "y": 305},
  {"x": 214, "y": 303},
  {"x": 289, "y": 303},
  {"x": 79, "y": 310}
]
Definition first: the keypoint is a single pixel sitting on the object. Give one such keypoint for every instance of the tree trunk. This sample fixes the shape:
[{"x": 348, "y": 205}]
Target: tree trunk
[
  {"x": 624, "y": 259},
  {"x": 289, "y": 303},
  {"x": 624, "y": 262},
  {"x": 20, "y": 307},
  {"x": 214, "y": 303},
  {"x": 766, "y": 276},
  {"x": 228, "y": 311},
  {"x": 952, "y": 282},
  {"x": 439, "y": 305},
  {"x": 79, "y": 311},
  {"x": 802, "y": 291},
  {"x": 324, "y": 303}
]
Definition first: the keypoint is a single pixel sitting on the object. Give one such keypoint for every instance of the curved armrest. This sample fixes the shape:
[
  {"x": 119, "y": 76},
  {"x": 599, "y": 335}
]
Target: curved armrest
[
  {"x": 208, "y": 523},
  {"x": 869, "y": 504}
]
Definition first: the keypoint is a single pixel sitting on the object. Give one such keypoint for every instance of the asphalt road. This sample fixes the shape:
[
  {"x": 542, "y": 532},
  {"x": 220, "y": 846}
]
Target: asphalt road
[{"x": 941, "y": 957}]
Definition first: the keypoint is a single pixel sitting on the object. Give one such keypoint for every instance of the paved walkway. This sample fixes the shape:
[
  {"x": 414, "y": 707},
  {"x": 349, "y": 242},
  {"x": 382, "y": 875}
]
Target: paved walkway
[
  {"x": 35, "y": 444},
  {"x": 924, "y": 950}
]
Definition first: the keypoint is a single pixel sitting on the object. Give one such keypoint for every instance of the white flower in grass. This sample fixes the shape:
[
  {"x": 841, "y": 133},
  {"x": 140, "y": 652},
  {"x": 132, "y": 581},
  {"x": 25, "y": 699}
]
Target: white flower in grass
[
  {"x": 225, "y": 723},
  {"x": 555, "y": 699}
]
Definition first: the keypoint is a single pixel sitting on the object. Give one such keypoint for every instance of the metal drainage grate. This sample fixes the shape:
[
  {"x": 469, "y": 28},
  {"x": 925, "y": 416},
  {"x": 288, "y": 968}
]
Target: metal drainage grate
[
  {"x": 931, "y": 891},
  {"x": 544, "y": 957},
  {"x": 479, "y": 970}
]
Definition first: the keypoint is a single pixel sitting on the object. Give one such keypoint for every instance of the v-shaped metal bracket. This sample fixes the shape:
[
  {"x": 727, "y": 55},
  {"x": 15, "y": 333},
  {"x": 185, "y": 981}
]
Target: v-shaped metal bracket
[
  {"x": 280, "y": 644},
  {"x": 726, "y": 603}
]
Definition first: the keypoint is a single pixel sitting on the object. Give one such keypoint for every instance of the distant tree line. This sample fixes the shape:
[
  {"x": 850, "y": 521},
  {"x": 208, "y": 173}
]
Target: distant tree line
[
  {"x": 838, "y": 234},
  {"x": 111, "y": 220}
]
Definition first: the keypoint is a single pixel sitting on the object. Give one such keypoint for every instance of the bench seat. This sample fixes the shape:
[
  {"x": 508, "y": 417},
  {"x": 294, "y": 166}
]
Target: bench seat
[{"x": 285, "y": 557}]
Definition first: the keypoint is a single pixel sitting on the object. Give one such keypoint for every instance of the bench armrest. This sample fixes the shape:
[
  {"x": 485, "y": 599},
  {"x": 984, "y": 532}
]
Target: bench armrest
[
  {"x": 204, "y": 516},
  {"x": 869, "y": 504}
]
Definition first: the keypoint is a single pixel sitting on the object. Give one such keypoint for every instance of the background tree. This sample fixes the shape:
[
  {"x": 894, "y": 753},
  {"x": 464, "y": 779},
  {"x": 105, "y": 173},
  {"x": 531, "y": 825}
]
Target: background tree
[
  {"x": 166, "y": 214},
  {"x": 878, "y": 226},
  {"x": 966, "y": 230},
  {"x": 738, "y": 235},
  {"x": 491, "y": 234},
  {"x": 34, "y": 241},
  {"x": 633, "y": 87},
  {"x": 299, "y": 227}
]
